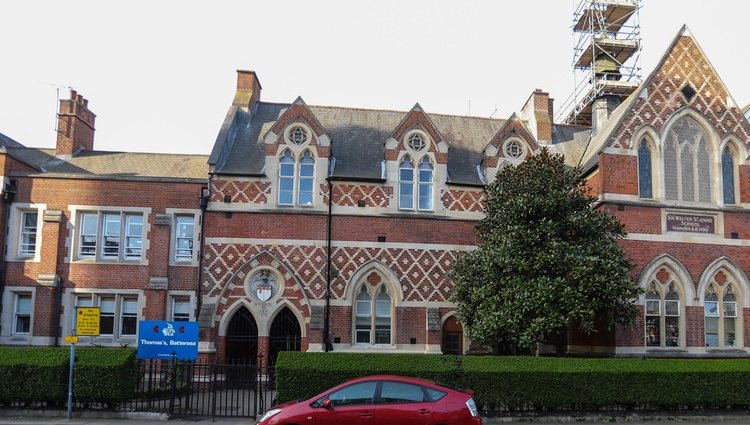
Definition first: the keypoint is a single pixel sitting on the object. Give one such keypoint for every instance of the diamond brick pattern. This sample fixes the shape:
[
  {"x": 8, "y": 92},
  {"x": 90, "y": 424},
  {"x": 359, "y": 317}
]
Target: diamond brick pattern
[
  {"x": 463, "y": 200},
  {"x": 348, "y": 195},
  {"x": 685, "y": 64},
  {"x": 423, "y": 273},
  {"x": 240, "y": 191}
]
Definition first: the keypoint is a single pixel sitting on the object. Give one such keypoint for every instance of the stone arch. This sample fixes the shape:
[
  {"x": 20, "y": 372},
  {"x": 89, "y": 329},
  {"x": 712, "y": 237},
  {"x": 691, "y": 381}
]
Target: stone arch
[
  {"x": 726, "y": 265},
  {"x": 301, "y": 319},
  {"x": 391, "y": 280},
  {"x": 291, "y": 290},
  {"x": 651, "y": 133},
  {"x": 230, "y": 312},
  {"x": 677, "y": 268},
  {"x": 733, "y": 140}
]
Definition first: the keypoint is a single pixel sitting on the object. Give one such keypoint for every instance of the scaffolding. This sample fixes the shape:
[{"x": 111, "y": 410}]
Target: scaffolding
[{"x": 606, "y": 57}]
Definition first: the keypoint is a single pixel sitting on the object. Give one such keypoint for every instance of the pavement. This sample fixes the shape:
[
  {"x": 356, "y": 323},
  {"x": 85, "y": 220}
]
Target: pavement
[{"x": 16, "y": 417}]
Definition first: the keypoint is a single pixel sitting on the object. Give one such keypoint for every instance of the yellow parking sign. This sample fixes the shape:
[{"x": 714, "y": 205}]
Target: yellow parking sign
[{"x": 87, "y": 321}]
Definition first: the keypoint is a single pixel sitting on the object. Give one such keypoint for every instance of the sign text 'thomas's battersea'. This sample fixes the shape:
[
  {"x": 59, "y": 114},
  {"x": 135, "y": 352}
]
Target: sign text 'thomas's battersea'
[{"x": 167, "y": 340}]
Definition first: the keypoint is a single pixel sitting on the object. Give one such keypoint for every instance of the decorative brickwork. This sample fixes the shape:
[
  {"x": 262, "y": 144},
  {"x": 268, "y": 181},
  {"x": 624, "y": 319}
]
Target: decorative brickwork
[
  {"x": 463, "y": 200},
  {"x": 422, "y": 272},
  {"x": 240, "y": 191},
  {"x": 684, "y": 65},
  {"x": 513, "y": 128},
  {"x": 299, "y": 112},
  {"x": 416, "y": 119},
  {"x": 348, "y": 195}
]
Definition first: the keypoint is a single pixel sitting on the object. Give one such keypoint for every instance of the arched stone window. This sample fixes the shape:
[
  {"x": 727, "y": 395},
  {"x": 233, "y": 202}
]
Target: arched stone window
[
  {"x": 306, "y": 179},
  {"x": 425, "y": 185},
  {"x": 727, "y": 175},
  {"x": 406, "y": 184},
  {"x": 663, "y": 316},
  {"x": 296, "y": 179},
  {"x": 687, "y": 163},
  {"x": 720, "y": 311},
  {"x": 645, "y": 185},
  {"x": 286, "y": 178},
  {"x": 373, "y": 315}
]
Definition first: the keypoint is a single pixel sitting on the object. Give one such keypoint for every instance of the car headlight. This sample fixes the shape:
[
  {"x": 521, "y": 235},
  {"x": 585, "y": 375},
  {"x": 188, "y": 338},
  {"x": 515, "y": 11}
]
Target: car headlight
[{"x": 269, "y": 414}]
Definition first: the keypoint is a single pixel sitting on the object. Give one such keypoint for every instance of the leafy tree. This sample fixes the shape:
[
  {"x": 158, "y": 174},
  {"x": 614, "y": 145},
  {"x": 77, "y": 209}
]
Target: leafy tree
[{"x": 547, "y": 260}]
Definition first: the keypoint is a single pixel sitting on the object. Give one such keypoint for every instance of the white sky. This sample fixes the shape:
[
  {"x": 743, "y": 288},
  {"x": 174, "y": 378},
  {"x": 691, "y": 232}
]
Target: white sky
[{"x": 160, "y": 75}]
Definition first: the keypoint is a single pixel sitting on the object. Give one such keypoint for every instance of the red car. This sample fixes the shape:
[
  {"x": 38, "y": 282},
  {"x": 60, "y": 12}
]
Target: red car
[{"x": 375, "y": 400}]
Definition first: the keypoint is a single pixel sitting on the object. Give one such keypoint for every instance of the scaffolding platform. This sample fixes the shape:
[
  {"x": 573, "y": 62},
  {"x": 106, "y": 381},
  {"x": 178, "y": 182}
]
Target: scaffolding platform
[
  {"x": 611, "y": 13},
  {"x": 619, "y": 50}
]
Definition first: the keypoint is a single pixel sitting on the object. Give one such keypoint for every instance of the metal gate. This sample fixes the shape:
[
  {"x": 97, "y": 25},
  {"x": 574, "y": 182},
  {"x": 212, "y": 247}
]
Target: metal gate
[{"x": 183, "y": 389}]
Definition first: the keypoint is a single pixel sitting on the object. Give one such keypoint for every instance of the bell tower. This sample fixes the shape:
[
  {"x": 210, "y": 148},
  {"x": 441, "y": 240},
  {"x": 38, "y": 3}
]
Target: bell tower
[{"x": 606, "y": 57}]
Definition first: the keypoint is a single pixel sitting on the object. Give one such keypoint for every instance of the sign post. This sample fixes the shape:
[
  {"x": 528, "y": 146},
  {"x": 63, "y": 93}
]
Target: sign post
[{"x": 84, "y": 322}]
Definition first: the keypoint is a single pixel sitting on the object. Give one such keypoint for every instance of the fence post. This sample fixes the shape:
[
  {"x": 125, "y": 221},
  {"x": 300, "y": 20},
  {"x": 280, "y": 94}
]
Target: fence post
[
  {"x": 214, "y": 389},
  {"x": 173, "y": 374}
]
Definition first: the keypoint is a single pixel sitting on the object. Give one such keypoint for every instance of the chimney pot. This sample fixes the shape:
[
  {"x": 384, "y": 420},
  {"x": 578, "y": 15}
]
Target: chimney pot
[
  {"x": 73, "y": 94},
  {"x": 75, "y": 125}
]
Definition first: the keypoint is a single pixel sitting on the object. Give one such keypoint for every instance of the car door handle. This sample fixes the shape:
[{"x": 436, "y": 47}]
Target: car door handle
[
  {"x": 366, "y": 414},
  {"x": 424, "y": 411}
]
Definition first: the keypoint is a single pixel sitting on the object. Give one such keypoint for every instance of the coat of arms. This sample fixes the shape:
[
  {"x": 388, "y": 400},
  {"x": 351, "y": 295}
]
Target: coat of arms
[{"x": 264, "y": 285}]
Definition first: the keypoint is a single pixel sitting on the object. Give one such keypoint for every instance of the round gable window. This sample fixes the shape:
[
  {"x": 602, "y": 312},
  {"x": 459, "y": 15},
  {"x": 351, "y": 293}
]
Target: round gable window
[
  {"x": 298, "y": 135},
  {"x": 513, "y": 149},
  {"x": 417, "y": 142}
]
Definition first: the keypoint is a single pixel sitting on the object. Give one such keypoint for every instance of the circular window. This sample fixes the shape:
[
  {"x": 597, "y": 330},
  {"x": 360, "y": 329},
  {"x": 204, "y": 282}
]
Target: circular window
[
  {"x": 298, "y": 135},
  {"x": 513, "y": 149},
  {"x": 416, "y": 141}
]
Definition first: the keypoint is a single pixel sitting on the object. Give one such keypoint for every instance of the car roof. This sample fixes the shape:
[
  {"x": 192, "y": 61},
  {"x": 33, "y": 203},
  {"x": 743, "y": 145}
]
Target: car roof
[{"x": 410, "y": 379}]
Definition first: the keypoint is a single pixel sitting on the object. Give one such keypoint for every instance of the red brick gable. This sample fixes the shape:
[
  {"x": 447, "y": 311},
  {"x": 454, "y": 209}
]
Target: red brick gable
[
  {"x": 683, "y": 64},
  {"x": 417, "y": 119},
  {"x": 513, "y": 127},
  {"x": 299, "y": 112}
]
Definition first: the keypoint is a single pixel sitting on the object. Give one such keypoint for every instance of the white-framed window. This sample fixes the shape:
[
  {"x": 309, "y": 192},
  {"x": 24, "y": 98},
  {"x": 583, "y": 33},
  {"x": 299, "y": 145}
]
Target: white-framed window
[
  {"x": 24, "y": 232},
  {"x": 119, "y": 312},
  {"x": 28, "y": 232},
  {"x": 720, "y": 311},
  {"x": 180, "y": 306},
  {"x": 181, "y": 309},
  {"x": 372, "y": 315},
  {"x": 425, "y": 185},
  {"x": 663, "y": 314},
  {"x": 110, "y": 235},
  {"x": 406, "y": 184},
  {"x": 22, "y": 309},
  {"x": 184, "y": 237},
  {"x": 422, "y": 189},
  {"x": 296, "y": 178}
]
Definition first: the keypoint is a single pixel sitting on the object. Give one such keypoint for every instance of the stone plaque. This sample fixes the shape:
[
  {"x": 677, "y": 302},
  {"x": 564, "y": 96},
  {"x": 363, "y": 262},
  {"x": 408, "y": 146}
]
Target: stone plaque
[
  {"x": 691, "y": 223},
  {"x": 433, "y": 319},
  {"x": 317, "y": 316}
]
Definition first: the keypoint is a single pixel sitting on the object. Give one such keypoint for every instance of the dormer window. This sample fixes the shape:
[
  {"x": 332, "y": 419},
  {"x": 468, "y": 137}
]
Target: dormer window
[
  {"x": 421, "y": 190},
  {"x": 297, "y": 135}
]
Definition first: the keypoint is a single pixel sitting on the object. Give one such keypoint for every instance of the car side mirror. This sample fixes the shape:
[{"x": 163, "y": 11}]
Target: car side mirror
[{"x": 327, "y": 404}]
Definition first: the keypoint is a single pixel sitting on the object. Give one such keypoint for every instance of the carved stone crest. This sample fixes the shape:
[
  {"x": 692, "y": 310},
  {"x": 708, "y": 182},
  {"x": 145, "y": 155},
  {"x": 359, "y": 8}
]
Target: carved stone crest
[{"x": 263, "y": 285}]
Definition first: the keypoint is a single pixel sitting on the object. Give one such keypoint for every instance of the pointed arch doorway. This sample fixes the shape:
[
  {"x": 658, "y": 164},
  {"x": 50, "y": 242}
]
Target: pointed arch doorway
[
  {"x": 285, "y": 335},
  {"x": 241, "y": 346},
  {"x": 452, "y": 341}
]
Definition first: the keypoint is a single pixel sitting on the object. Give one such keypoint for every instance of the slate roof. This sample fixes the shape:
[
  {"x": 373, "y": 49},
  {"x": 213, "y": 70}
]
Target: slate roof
[
  {"x": 6, "y": 142},
  {"x": 358, "y": 140}
]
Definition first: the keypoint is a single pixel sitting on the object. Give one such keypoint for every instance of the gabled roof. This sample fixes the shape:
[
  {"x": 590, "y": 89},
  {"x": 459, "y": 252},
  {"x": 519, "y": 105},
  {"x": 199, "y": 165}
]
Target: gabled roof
[
  {"x": 654, "y": 101},
  {"x": 358, "y": 140},
  {"x": 7, "y": 142}
]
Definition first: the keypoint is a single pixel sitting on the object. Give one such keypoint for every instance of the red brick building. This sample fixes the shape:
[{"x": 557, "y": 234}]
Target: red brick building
[{"x": 303, "y": 209}]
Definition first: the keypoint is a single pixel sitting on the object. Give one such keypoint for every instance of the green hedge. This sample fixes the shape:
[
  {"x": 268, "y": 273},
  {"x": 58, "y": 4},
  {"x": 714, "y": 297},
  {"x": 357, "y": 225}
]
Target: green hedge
[
  {"x": 542, "y": 383},
  {"x": 30, "y": 374}
]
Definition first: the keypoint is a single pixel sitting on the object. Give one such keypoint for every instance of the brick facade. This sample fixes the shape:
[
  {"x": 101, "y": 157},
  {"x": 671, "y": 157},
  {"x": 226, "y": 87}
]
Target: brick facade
[{"x": 393, "y": 237}]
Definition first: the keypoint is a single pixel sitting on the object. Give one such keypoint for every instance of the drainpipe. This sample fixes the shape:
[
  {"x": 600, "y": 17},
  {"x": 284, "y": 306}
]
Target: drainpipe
[
  {"x": 326, "y": 313},
  {"x": 204, "y": 198}
]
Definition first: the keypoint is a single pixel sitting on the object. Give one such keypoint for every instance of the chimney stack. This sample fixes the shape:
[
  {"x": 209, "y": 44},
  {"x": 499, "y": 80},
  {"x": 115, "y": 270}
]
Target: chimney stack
[
  {"x": 601, "y": 111},
  {"x": 248, "y": 89},
  {"x": 538, "y": 113},
  {"x": 75, "y": 126}
]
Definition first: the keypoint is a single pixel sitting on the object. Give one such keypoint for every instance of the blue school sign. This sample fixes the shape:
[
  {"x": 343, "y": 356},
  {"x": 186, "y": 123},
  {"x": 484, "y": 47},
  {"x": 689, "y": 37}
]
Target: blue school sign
[{"x": 166, "y": 340}]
